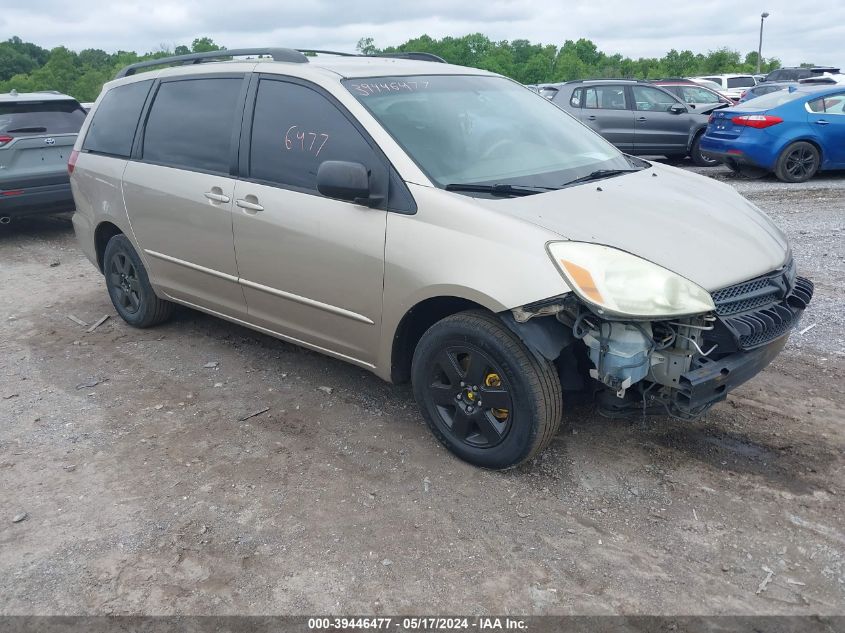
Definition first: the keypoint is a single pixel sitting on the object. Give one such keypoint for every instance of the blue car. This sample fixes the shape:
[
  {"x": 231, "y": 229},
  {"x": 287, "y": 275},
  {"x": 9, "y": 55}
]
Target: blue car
[{"x": 794, "y": 133}]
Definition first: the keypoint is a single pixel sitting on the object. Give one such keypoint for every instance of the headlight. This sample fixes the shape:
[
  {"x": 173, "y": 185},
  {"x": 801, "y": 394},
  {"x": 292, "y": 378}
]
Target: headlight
[{"x": 620, "y": 284}]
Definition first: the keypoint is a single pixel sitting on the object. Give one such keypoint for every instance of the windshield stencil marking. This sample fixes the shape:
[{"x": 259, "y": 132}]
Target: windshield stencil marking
[{"x": 368, "y": 89}]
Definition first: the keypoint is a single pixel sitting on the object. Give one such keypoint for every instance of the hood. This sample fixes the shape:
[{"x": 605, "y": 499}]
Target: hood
[{"x": 690, "y": 224}]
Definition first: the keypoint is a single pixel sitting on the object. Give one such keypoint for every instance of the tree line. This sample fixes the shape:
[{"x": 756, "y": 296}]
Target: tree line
[{"x": 27, "y": 67}]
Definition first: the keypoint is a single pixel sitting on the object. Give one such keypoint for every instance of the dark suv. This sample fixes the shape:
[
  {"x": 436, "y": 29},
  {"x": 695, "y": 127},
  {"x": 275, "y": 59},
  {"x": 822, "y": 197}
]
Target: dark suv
[
  {"x": 797, "y": 74},
  {"x": 636, "y": 116},
  {"x": 37, "y": 133}
]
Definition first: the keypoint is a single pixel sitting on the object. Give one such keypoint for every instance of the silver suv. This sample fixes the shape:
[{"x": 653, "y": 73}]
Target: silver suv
[
  {"x": 434, "y": 223},
  {"x": 636, "y": 116},
  {"x": 37, "y": 133}
]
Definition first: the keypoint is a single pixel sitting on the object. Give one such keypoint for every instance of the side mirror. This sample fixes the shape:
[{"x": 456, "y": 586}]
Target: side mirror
[
  {"x": 691, "y": 105},
  {"x": 677, "y": 108},
  {"x": 343, "y": 180}
]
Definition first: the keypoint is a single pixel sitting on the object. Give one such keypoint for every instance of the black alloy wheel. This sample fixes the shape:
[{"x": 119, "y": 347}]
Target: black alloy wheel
[
  {"x": 129, "y": 287},
  {"x": 473, "y": 400},
  {"x": 798, "y": 163},
  {"x": 487, "y": 397},
  {"x": 124, "y": 283}
]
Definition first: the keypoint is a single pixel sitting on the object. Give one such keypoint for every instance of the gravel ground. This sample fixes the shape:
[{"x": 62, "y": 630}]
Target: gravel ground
[{"x": 141, "y": 486}]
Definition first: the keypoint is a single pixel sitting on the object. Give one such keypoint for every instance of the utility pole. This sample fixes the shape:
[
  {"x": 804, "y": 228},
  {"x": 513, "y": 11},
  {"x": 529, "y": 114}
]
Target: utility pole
[{"x": 763, "y": 16}]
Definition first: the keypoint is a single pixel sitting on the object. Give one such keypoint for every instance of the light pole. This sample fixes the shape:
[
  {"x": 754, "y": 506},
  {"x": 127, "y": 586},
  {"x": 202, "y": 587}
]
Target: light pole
[{"x": 763, "y": 16}]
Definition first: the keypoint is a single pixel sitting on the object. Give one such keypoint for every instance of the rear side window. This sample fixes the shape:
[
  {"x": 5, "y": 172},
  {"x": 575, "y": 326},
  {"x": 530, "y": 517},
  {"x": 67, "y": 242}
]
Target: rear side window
[
  {"x": 295, "y": 129},
  {"x": 42, "y": 117},
  {"x": 191, "y": 124},
  {"x": 605, "y": 98},
  {"x": 113, "y": 126},
  {"x": 831, "y": 104}
]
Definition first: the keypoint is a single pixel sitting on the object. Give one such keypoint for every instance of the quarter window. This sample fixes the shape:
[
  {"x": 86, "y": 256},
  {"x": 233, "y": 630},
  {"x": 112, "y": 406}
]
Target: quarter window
[
  {"x": 605, "y": 98},
  {"x": 295, "y": 129},
  {"x": 115, "y": 120},
  {"x": 191, "y": 124}
]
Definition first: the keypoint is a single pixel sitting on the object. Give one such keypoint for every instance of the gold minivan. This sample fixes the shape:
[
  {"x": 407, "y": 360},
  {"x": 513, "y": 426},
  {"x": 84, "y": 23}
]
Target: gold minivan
[{"x": 432, "y": 223}]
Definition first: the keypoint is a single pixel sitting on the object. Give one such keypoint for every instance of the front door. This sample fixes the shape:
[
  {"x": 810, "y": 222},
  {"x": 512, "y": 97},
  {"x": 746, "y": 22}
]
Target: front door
[
  {"x": 311, "y": 268},
  {"x": 658, "y": 130},
  {"x": 179, "y": 193}
]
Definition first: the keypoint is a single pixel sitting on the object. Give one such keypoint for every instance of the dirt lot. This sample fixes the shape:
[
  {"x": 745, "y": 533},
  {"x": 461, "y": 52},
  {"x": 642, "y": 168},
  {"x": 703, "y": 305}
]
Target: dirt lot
[{"x": 147, "y": 493}]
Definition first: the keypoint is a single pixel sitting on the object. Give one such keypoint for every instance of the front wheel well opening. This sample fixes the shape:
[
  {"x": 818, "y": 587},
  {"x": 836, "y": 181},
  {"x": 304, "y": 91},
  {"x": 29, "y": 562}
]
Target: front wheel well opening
[
  {"x": 103, "y": 233},
  {"x": 414, "y": 324}
]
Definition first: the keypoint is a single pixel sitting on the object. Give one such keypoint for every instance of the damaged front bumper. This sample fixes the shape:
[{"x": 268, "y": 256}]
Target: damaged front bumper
[{"x": 676, "y": 366}]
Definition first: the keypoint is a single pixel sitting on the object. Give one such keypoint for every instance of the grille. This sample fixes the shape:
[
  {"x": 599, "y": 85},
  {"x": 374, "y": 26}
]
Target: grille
[
  {"x": 753, "y": 294},
  {"x": 763, "y": 309}
]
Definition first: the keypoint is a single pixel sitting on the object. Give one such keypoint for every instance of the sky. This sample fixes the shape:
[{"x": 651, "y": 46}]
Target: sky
[{"x": 794, "y": 32}]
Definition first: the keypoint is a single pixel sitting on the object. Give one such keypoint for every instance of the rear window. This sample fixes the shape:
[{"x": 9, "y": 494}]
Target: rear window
[
  {"x": 41, "y": 117},
  {"x": 113, "y": 126},
  {"x": 741, "y": 82},
  {"x": 774, "y": 99}
]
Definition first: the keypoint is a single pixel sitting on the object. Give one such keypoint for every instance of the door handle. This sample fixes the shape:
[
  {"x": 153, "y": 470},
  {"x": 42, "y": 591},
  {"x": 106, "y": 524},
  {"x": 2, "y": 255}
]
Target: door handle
[
  {"x": 822, "y": 122},
  {"x": 248, "y": 205},
  {"x": 592, "y": 117},
  {"x": 216, "y": 194},
  {"x": 642, "y": 118}
]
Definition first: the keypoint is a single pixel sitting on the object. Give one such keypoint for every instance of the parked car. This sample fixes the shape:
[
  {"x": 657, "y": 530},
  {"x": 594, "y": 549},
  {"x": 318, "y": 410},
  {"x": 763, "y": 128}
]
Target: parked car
[
  {"x": 794, "y": 73},
  {"x": 37, "y": 133},
  {"x": 731, "y": 85},
  {"x": 636, "y": 116},
  {"x": 396, "y": 214},
  {"x": 695, "y": 95},
  {"x": 794, "y": 133},
  {"x": 765, "y": 88}
]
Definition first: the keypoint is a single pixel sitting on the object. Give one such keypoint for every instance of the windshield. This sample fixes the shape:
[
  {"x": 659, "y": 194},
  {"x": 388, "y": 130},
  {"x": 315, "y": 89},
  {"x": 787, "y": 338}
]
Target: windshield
[{"x": 485, "y": 130}]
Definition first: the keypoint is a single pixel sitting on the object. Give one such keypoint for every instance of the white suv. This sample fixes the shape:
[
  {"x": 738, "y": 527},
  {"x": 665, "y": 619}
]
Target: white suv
[{"x": 731, "y": 85}]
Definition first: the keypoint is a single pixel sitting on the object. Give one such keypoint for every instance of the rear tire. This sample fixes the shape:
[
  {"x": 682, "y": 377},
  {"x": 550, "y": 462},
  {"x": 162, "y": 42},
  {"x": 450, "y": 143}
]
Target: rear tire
[
  {"x": 697, "y": 157},
  {"x": 129, "y": 286},
  {"x": 798, "y": 162},
  {"x": 468, "y": 358}
]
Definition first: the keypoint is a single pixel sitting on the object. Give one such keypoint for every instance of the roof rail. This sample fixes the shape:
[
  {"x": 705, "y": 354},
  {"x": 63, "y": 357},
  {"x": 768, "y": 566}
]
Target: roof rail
[
  {"x": 278, "y": 54},
  {"x": 317, "y": 51},
  {"x": 417, "y": 55},
  {"x": 597, "y": 79}
]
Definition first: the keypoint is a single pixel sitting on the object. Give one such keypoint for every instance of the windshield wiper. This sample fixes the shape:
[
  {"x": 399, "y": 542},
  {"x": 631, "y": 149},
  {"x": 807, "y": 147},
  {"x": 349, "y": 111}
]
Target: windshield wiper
[
  {"x": 27, "y": 130},
  {"x": 499, "y": 189},
  {"x": 599, "y": 174}
]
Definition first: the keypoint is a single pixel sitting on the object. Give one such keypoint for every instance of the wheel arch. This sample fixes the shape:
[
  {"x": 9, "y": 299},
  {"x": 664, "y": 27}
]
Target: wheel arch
[
  {"x": 413, "y": 325},
  {"x": 102, "y": 234}
]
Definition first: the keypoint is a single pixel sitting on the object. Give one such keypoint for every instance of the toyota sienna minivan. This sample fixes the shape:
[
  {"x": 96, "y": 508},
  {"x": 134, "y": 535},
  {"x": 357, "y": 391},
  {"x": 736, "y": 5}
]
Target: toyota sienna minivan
[{"x": 431, "y": 223}]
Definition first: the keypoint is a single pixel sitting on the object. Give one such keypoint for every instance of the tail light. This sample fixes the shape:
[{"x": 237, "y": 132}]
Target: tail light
[
  {"x": 5, "y": 139},
  {"x": 758, "y": 121},
  {"x": 71, "y": 161}
]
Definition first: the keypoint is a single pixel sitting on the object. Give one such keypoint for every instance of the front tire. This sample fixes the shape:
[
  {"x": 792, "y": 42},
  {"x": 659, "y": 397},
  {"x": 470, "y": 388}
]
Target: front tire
[
  {"x": 484, "y": 395},
  {"x": 697, "y": 157},
  {"x": 798, "y": 162},
  {"x": 129, "y": 286}
]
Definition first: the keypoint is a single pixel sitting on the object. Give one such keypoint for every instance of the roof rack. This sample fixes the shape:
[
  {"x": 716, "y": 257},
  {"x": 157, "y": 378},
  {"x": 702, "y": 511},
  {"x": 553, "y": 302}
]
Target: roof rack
[
  {"x": 278, "y": 54},
  {"x": 597, "y": 79},
  {"x": 416, "y": 55}
]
